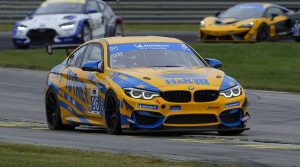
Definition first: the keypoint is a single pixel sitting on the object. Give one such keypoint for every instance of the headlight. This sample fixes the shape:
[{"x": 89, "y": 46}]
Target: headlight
[
  {"x": 202, "y": 23},
  {"x": 232, "y": 92},
  {"x": 66, "y": 26},
  {"x": 140, "y": 94},
  {"x": 22, "y": 28},
  {"x": 247, "y": 25}
]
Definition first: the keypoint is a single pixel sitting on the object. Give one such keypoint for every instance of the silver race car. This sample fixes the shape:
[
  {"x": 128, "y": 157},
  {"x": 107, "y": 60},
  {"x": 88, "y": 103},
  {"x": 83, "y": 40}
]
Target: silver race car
[{"x": 65, "y": 22}]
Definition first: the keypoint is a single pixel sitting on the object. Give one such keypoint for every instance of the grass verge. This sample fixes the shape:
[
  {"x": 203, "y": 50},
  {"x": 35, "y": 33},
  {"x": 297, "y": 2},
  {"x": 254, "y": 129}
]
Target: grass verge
[
  {"x": 268, "y": 66},
  {"x": 6, "y": 27},
  {"x": 15, "y": 155},
  {"x": 161, "y": 27}
]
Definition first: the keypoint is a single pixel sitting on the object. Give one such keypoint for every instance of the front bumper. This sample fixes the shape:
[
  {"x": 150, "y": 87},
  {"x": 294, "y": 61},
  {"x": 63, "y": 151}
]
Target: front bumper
[
  {"x": 243, "y": 35},
  {"x": 158, "y": 114}
]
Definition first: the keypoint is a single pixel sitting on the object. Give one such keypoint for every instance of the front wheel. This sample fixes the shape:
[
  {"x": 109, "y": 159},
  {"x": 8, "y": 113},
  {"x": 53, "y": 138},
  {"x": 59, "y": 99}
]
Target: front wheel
[
  {"x": 53, "y": 113},
  {"x": 119, "y": 30},
  {"x": 297, "y": 39},
  {"x": 86, "y": 34},
  {"x": 112, "y": 114},
  {"x": 263, "y": 33}
]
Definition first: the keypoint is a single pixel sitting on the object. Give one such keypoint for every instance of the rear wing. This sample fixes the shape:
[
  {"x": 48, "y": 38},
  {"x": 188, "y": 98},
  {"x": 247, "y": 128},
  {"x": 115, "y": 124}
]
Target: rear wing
[{"x": 50, "y": 48}]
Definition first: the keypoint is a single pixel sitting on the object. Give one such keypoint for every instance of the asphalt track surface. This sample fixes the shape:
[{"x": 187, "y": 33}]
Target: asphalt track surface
[
  {"x": 187, "y": 36},
  {"x": 274, "y": 138}
]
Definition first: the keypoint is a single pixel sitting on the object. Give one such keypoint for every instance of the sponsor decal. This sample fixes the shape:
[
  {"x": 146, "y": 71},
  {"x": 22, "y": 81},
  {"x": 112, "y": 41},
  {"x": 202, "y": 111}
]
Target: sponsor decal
[
  {"x": 76, "y": 86},
  {"x": 97, "y": 104},
  {"x": 187, "y": 81},
  {"x": 234, "y": 104},
  {"x": 146, "y": 106},
  {"x": 175, "y": 108},
  {"x": 213, "y": 108}
]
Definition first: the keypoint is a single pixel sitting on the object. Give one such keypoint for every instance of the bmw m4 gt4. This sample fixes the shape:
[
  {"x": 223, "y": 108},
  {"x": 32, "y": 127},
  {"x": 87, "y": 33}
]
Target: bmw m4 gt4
[
  {"x": 65, "y": 22},
  {"x": 143, "y": 83}
]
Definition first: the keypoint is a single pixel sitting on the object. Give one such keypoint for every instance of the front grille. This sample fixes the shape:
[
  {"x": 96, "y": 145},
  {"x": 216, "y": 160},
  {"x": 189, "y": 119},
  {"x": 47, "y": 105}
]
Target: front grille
[
  {"x": 231, "y": 116},
  {"x": 191, "y": 119},
  {"x": 206, "y": 95},
  {"x": 177, "y": 96},
  {"x": 149, "y": 119},
  {"x": 211, "y": 37},
  {"x": 41, "y": 36}
]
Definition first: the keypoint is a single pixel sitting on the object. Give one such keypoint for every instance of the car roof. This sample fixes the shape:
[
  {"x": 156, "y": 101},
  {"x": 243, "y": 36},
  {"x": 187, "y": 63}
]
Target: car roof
[
  {"x": 138, "y": 39},
  {"x": 264, "y": 5}
]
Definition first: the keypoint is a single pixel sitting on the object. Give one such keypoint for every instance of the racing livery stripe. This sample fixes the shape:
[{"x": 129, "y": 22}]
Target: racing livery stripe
[
  {"x": 67, "y": 107},
  {"x": 228, "y": 82},
  {"x": 130, "y": 81}
]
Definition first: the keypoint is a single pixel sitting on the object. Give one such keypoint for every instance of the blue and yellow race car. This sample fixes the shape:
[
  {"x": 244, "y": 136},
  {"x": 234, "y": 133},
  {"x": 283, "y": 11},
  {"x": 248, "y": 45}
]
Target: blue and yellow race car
[{"x": 143, "y": 83}]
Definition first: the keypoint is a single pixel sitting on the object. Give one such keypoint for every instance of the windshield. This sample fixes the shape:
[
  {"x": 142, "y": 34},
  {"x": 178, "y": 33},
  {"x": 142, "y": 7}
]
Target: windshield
[
  {"x": 244, "y": 11},
  {"x": 139, "y": 55},
  {"x": 59, "y": 8}
]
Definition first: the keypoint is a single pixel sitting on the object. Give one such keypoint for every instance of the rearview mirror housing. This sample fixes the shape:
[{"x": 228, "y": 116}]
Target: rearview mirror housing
[
  {"x": 93, "y": 66},
  {"x": 213, "y": 62}
]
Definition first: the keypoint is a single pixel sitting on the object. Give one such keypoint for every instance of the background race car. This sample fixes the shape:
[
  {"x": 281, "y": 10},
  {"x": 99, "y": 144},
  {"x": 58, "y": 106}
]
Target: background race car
[
  {"x": 249, "y": 22},
  {"x": 67, "y": 21}
]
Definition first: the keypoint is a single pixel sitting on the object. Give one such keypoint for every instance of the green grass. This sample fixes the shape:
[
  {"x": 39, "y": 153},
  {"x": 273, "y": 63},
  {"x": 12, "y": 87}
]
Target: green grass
[
  {"x": 161, "y": 27},
  {"x": 31, "y": 59},
  {"x": 269, "y": 66},
  {"x": 15, "y": 155},
  {"x": 6, "y": 27}
]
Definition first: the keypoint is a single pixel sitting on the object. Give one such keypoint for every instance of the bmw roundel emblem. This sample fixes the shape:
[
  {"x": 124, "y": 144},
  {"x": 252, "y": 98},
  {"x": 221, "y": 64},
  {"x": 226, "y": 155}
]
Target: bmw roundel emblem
[{"x": 191, "y": 88}]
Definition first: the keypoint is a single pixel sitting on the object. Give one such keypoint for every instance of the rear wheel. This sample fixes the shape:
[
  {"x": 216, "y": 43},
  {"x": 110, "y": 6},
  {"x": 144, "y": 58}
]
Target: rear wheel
[
  {"x": 263, "y": 33},
  {"x": 112, "y": 114},
  {"x": 53, "y": 113},
  {"x": 119, "y": 30},
  {"x": 297, "y": 39}
]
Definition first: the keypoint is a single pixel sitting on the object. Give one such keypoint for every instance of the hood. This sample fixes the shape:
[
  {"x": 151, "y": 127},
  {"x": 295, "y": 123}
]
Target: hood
[
  {"x": 225, "y": 21},
  {"x": 157, "y": 79},
  {"x": 51, "y": 20}
]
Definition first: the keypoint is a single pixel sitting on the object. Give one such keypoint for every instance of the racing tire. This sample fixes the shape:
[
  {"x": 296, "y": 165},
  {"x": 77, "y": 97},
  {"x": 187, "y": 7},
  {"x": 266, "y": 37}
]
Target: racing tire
[
  {"x": 230, "y": 133},
  {"x": 21, "y": 47},
  {"x": 86, "y": 34},
  {"x": 297, "y": 39},
  {"x": 53, "y": 112},
  {"x": 263, "y": 33},
  {"x": 112, "y": 114}
]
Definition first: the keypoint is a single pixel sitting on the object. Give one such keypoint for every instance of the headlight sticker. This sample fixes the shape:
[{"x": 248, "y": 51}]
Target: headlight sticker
[
  {"x": 147, "y": 106},
  {"x": 234, "y": 104}
]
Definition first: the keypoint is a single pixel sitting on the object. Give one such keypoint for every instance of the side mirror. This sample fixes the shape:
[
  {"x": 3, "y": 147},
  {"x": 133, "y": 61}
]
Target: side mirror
[
  {"x": 217, "y": 14},
  {"x": 92, "y": 66},
  {"x": 213, "y": 62},
  {"x": 273, "y": 15},
  {"x": 89, "y": 11}
]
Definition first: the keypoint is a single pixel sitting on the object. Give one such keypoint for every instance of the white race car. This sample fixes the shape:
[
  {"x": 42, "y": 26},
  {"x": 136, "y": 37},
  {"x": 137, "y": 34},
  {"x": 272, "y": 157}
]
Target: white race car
[{"x": 66, "y": 22}]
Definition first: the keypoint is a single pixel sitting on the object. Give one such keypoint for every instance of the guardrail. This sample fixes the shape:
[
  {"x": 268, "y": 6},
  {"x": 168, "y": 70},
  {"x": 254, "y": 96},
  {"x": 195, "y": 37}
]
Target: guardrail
[{"x": 145, "y": 11}]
